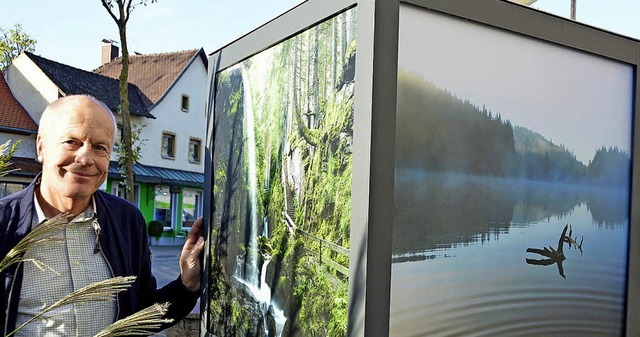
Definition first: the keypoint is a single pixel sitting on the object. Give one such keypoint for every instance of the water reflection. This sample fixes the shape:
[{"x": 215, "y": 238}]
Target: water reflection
[
  {"x": 556, "y": 256},
  {"x": 458, "y": 249},
  {"x": 441, "y": 211}
]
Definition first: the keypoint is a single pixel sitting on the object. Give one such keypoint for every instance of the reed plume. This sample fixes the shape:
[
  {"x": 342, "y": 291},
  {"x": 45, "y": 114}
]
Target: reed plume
[
  {"x": 106, "y": 290},
  {"x": 142, "y": 323},
  {"x": 40, "y": 235}
]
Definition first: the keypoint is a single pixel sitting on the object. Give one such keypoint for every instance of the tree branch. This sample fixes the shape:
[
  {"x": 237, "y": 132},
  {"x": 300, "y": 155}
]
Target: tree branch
[
  {"x": 106, "y": 5},
  {"x": 127, "y": 11}
]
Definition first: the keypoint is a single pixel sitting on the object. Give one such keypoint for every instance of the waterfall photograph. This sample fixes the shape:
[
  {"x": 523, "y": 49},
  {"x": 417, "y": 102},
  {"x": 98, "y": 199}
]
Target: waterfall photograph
[
  {"x": 282, "y": 165},
  {"x": 512, "y": 183}
]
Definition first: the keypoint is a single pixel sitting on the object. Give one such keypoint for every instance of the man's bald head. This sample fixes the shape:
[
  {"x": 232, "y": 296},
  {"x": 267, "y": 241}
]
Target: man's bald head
[{"x": 52, "y": 113}]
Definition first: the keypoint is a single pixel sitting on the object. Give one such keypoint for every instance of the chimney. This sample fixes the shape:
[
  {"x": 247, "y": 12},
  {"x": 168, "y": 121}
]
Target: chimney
[{"x": 109, "y": 51}]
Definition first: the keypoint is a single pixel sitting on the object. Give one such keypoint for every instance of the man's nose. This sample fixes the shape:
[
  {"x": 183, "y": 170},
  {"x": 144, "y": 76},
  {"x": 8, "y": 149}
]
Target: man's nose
[{"x": 84, "y": 155}]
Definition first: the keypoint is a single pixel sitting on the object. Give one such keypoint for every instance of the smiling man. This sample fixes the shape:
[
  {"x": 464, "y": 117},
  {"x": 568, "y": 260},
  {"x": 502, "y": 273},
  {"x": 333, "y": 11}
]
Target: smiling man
[
  {"x": 75, "y": 138},
  {"x": 107, "y": 236}
]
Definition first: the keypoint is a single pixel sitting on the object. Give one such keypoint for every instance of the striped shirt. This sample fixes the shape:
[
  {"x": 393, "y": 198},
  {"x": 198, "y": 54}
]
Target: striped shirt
[{"x": 75, "y": 265}]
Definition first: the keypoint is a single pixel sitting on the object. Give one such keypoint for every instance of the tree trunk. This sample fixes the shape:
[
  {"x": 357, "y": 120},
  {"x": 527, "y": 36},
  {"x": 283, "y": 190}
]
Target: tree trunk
[
  {"x": 352, "y": 22},
  {"x": 124, "y": 104},
  {"x": 294, "y": 80},
  {"x": 315, "y": 113},
  {"x": 343, "y": 39},
  {"x": 334, "y": 52}
]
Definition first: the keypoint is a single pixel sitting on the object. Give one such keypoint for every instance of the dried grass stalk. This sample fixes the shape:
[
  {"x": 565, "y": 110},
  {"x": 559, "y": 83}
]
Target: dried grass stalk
[
  {"x": 106, "y": 290},
  {"x": 142, "y": 323},
  {"x": 40, "y": 235}
]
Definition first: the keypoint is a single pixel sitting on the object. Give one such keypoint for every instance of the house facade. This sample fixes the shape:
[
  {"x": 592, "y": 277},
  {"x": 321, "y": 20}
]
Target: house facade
[
  {"x": 175, "y": 86},
  {"x": 167, "y": 98}
]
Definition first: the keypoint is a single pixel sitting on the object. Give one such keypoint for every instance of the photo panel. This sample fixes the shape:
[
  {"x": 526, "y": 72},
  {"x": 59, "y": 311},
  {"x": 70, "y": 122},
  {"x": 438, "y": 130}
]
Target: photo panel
[
  {"x": 281, "y": 172},
  {"x": 512, "y": 184}
]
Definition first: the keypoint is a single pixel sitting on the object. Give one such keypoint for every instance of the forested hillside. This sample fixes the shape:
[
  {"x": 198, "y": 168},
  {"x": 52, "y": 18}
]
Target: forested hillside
[
  {"x": 541, "y": 159},
  {"x": 440, "y": 132}
]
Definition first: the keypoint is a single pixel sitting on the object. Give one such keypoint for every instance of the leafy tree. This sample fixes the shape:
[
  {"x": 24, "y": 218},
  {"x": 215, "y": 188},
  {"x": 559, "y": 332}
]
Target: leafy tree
[
  {"x": 136, "y": 149},
  {"x": 610, "y": 166},
  {"x": 14, "y": 41},
  {"x": 120, "y": 12},
  {"x": 6, "y": 152}
]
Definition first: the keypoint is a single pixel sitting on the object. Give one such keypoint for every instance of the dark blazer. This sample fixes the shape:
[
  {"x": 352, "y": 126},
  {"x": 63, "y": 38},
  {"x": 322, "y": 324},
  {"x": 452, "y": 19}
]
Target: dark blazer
[{"x": 124, "y": 242}]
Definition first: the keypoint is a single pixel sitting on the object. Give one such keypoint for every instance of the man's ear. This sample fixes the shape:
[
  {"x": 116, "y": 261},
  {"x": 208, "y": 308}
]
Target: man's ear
[{"x": 39, "y": 148}]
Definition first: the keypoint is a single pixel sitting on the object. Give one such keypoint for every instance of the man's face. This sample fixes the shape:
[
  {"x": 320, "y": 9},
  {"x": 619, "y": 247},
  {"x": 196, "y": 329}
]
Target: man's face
[{"x": 75, "y": 150}]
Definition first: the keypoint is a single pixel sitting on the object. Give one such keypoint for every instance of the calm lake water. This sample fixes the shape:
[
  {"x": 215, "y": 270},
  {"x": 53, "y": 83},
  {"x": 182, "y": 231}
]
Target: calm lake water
[{"x": 460, "y": 258}]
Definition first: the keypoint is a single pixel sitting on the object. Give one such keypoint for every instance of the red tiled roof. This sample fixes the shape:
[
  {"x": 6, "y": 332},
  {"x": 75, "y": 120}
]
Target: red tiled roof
[
  {"x": 12, "y": 114},
  {"x": 152, "y": 73}
]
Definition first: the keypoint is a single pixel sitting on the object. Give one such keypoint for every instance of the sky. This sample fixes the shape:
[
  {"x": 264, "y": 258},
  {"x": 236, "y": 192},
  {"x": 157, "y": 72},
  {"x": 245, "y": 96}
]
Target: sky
[
  {"x": 620, "y": 16},
  {"x": 71, "y": 31},
  {"x": 572, "y": 98}
]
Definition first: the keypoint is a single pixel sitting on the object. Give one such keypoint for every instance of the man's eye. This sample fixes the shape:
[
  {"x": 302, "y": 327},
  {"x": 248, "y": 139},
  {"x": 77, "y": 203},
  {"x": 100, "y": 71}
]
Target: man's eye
[
  {"x": 71, "y": 142},
  {"x": 101, "y": 148}
]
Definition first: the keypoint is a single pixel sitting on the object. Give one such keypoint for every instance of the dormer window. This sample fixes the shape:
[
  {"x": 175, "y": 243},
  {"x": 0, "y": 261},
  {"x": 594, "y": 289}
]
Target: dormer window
[{"x": 184, "y": 103}]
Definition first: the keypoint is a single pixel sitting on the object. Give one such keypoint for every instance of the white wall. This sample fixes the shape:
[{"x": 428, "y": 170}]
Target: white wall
[
  {"x": 171, "y": 118},
  {"x": 135, "y": 120},
  {"x": 30, "y": 86}
]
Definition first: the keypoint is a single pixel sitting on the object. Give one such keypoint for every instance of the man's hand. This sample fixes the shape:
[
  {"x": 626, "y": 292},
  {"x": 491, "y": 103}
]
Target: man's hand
[{"x": 190, "y": 267}]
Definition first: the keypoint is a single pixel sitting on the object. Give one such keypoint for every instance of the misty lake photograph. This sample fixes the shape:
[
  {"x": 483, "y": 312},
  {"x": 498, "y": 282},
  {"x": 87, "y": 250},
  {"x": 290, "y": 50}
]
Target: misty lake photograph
[{"x": 512, "y": 182}]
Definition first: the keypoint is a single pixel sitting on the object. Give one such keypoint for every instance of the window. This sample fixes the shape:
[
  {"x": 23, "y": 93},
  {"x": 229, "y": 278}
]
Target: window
[
  {"x": 191, "y": 206},
  {"x": 184, "y": 103},
  {"x": 120, "y": 134},
  {"x": 168, "y": 145},
  {"x": 119, "y": 142},
  {"x": 165, "y": 206},
  {"x": 195, "y": 150},
  {"x": 9, "y": 188},
  {"x": 117, "y": 188}
]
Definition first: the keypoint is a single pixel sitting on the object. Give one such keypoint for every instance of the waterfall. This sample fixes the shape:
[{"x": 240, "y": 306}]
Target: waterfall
[
  {"x": 265, "y": 292},
  {"x": 260, "y": 290},
  {"x": 264, "y": 296},
  {"x": 265, "y": 227},
  {"x": 252, "y": 264}
]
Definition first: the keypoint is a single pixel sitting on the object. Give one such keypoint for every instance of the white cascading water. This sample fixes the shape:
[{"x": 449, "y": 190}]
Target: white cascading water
[
  {"x": 252, "y": 270},
  {"x": 261, "y": 291}
]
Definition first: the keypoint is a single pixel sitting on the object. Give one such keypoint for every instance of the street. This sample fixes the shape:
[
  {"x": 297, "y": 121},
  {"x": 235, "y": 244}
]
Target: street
[{"x": 165, "y": 267}]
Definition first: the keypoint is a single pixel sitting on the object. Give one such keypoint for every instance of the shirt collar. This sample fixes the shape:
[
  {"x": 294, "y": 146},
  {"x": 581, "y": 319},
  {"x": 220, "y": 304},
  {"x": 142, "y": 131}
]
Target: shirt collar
[{"x": 87, "y": 215}]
